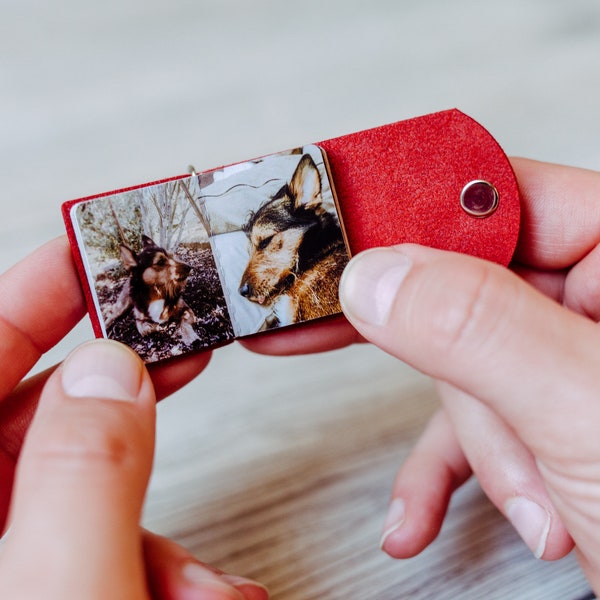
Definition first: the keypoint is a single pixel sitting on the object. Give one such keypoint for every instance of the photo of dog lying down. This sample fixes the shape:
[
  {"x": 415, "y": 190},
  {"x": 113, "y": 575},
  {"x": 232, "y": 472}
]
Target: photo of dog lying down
[
  {"x": 192, "y": 263},
  {"x": 297, "y": 253},
  {"x": 277, "y": 239}
]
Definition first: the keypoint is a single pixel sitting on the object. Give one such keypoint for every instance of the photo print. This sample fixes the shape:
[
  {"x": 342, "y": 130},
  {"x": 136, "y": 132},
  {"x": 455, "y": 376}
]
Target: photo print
[
  {"x": 151, "y": 270},
  {"x": 195, "y": 262},
  {"x": 277, "y": 239}
]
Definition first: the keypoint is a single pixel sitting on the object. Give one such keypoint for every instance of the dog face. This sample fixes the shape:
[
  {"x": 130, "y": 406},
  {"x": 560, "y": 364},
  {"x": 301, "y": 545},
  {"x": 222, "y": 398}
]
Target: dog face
[
  {"x": 156, "y": 281},
  {"x": 278, "y": 230},
  {"x": 155, "y": 273}
]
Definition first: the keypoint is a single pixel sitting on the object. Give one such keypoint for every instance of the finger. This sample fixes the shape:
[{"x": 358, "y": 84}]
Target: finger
[
  {"x": 82, "y": 477},
  {"x": 507, "y": 473},
  {"x": 577, "y": 288},
  {"x": 174, "y": 573},
  {"x": 18, "y": 408},
  {"x": 171, "y": 375},
  {"x": 435, "y": 468},
  {"x": 550, "y": 283},
  {"x": 560, "y": 215},
  {"x": 582, "y": 286},
  {"x": 41, "y": 302},
  {"x": 309, "y": 338},
  {"x": 482, "y": 329},
  {"x": 16, "y": 412}
]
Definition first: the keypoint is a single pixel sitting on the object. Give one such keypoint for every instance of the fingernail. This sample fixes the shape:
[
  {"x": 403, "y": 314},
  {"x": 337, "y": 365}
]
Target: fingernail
[
  {"x": 102, "y": 369},
  {"x": 251, "y": 590},
  {"x": 370, "y": 283},
  {"x": 201, "y": 577},
  {"x": 531, "y": 521},
  {"x": 393, "y": 521}
]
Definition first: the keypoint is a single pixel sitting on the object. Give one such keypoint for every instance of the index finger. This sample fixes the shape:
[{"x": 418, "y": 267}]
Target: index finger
[
  {"x": 307, "y": 338},
  {"x": 560, "y": 214},
  {"x": 40, "y": 302}
]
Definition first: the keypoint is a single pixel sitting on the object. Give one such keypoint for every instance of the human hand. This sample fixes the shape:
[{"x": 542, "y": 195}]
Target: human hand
[
  {"x": 516, "y": 357},
  {"x": 40, "y": 302},
  {"x": 82, "y": 473}
]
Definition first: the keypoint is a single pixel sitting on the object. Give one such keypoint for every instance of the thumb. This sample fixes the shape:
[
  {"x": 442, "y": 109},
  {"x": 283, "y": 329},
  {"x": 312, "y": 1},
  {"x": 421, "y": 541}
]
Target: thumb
[
  {"x": 479, "y": 327},
  {"x": 82, "y": 477}
]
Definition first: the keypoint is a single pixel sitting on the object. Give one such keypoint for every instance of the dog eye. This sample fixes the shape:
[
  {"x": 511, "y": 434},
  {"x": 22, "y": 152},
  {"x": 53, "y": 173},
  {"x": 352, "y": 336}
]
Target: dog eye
[
  {"x": 160, "y": 261},
  {"x": 265, "y": 242}
]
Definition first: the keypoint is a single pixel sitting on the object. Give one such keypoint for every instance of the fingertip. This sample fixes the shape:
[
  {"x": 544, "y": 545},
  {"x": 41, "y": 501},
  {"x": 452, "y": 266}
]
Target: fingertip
[
  {"x": 422, "y": 490},
  {"x": 393, "y": 521},
  {"x": 409, "y": 528},
  {"x": 531, "y": 521},
  {"x": 394, "y": 544},
  {"x": 103, "y": 369},
  {"x": 173, "y": 572},
  {"x": 370, "y": 284},
  {"x": 539, "y": 527},
  {"x": 559, "y": 543},
  {"x": 250, "y": 589},
  {"x": 212, "y": 586}
]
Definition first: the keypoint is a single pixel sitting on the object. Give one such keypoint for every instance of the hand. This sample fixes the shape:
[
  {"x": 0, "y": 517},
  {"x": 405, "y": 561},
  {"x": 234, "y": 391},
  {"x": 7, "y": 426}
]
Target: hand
[
  {"x": 83, "y": 469},
  {"x": 556, "y": 255},
  {"x": 519, "y": 369}
]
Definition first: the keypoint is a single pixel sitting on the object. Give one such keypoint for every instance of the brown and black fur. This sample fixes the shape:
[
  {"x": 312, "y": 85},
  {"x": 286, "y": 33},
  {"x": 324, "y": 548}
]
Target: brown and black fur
[
  {"x": 297, "y": 252},
  {"x": 153, "y": 290}
]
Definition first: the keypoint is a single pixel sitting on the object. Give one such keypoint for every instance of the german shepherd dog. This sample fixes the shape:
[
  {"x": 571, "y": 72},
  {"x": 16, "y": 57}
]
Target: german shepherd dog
[
  {"x": 297, "y": 252},
  {"x": 153, "y": 289}
]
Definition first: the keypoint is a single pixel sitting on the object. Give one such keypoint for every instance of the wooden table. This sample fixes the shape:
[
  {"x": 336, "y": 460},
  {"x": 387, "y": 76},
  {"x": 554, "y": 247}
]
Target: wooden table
[{"x": 280, "y": 468}]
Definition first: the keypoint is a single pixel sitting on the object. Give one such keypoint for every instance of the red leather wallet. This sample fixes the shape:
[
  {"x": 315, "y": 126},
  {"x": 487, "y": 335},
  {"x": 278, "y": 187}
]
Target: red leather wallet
[{"x": 196, "y": 260}]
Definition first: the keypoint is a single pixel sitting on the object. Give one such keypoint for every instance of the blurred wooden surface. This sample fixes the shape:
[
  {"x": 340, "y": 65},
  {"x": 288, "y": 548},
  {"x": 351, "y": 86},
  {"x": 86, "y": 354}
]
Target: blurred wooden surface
[{"x": 280, "y": 468}]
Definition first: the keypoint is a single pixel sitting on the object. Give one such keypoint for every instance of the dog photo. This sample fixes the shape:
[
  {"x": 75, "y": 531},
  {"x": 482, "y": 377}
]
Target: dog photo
[
  {"x": 195, "y": 262},
  {"x": 277, "y": 239},
  {"x": 151, "y": 269}
]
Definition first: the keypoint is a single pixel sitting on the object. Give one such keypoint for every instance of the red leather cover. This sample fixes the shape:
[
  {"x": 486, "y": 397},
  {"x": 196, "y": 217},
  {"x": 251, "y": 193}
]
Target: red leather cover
[{"x": 402, "y": 183}]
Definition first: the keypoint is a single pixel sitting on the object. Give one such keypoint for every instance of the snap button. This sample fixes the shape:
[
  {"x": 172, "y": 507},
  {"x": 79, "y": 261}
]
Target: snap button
[{"x": 479, "y": 198}]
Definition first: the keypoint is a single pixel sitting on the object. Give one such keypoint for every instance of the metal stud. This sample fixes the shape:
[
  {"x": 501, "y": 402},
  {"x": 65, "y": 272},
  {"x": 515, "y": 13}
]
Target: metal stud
[{"x": 479, "y": 198}]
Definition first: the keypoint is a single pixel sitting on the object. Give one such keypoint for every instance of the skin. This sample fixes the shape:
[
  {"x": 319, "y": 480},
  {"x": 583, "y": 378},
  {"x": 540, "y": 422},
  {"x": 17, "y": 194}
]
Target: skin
[
  {"x": 75, "y": 459},
  {"x": 515, "y": 354}
]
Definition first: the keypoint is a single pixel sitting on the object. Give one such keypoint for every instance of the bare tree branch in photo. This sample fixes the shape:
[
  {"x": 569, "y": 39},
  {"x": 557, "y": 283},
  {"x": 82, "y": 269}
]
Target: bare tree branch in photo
[
  {"x": 195, "y": 206},
  {"x": 163, "y": 214},
  {"x": 123, "y": 239}
]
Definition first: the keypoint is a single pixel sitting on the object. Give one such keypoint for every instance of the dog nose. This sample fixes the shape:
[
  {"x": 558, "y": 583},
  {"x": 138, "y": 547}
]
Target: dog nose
[{"x": 244, "y": 290}]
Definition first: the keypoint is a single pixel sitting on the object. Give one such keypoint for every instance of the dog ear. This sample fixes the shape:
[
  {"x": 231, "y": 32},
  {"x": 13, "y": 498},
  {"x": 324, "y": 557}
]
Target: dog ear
[
  {"x": 305, "y": 184},
  {"x": 128, "y": 257},
  {"x": 147, "y": 241}
]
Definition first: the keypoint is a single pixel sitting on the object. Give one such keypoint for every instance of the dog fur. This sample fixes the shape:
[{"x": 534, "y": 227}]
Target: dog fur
[
  {"x": 297, "y": 252},
  {"x": 153, "y": 289}
]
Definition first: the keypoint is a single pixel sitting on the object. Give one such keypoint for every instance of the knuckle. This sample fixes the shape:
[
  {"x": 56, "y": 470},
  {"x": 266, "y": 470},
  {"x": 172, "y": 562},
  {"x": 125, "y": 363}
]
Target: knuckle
[
  {"x": 81, "y": 438},
  {"x": 473, "y": 313}
]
